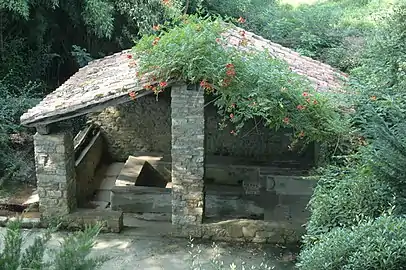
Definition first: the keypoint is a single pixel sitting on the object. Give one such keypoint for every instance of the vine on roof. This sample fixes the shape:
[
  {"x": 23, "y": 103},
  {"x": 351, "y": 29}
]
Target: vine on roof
[{"x": 245, "y": 85}]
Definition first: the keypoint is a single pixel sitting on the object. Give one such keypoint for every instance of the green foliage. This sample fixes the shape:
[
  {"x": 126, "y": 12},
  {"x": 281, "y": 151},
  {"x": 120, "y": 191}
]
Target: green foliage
[
  {"x": 98, "y": 16},
  {"x": 331, "y": 31},
  {"x": 21, "y": 7},
  {"x": 43, "y": 42},
  {"x": 13, "y": 103},
  {"x": 143, "y": 14},
  {"x": 71, "y": 255},
  {"x": 375, "y": 244},
  {"x": 345, "y": 196},
  {"x": 81, "y": 55},
  {"x": 246, "y": 85},
  {"x": 256, "y": 12},
  {"x": 381, "y": 104},
  {"x": 75, "y": 248},
  {"x": 345, "y": 230}
]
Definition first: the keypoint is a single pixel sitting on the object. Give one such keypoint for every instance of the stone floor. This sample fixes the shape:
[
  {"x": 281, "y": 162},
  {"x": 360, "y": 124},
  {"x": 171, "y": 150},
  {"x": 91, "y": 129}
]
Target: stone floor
[{"x": 128, "y": 250}]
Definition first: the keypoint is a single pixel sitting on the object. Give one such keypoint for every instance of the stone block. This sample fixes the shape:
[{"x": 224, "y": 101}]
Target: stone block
[
  {"x": 235, "y": 231},
  {"x": 85, "y": 167},
  {"x": 196, "y": 211},
  {"x": 3, "y": 220},
  {"x": 112, "y": 220},
  {"x": 187, "y": 231},
  {"x": 187, "y": 154},
  {"x": 256, "y": 231},
  {"x": 259, "y": 240},
  {"x": 134, "y": 199},
  {"x": 291, "y": 185},
  {"x": 150, "y": 177},
  {"x": 249, "y": 231},
  {"x": 53, "y": 168}
]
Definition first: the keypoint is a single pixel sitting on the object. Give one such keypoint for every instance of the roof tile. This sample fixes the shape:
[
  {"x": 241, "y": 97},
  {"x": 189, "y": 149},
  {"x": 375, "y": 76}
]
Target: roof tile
[{"x": 112, "y": 78}]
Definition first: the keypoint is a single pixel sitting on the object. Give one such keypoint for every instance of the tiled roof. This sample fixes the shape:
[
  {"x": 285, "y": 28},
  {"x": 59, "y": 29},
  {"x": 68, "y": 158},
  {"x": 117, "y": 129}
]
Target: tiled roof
[
  {"x": 107, "y": 81},
  {"x": 323, "y": 77},
  {"x": 101, "y": 83}
]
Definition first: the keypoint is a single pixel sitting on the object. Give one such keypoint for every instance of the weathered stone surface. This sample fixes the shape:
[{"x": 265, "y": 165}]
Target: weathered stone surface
[
  {"x": 249, "y": 231},
  {"x": 144, "y": 126},
  {"x": 130, "y": 128},
  {"x": 112, "y": 220},
  {"x": 257, "y": 231},
  {"x": 194, "y": 231},
  {"x": 187, "y": 111},
  {"x": 101, "y": 82},
  {"x": 290, "y": 185},
  {"x": 26, "y": 222},
  {"x": 134, "y": 199},
  {"x": 150, "y": 177},
  {"x": 55, "y": 173},
  {"x": 3, "y": 220},
  {"x": 85, "y": 167},
  {"x": 111, "y": 78}
]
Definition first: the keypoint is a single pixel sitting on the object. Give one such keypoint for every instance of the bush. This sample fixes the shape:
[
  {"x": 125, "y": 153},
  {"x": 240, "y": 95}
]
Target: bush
[
  {"x": 343, "y": 197},
  {"x": 71, "y": 255},
  {"x": 376, "y": 244},
  {"x": 245, "y": 85},
  {"x": 14, "y": 101}
]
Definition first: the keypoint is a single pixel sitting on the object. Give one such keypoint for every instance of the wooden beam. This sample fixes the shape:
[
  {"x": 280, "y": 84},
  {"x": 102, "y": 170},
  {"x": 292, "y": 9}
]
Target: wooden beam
[{"x": 81, "y": 137}]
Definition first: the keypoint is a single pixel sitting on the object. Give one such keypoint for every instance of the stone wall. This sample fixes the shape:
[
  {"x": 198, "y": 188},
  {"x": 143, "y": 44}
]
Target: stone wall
[
  {"x": 144, "y": 126},
  {"x": 187, "y": 155},
  {"x": 55, "y": 170},
  {"x": 218, "y": 204},
  {"x": 271, "y": 192},
  {"x": 85, "y": 167},
  {"x": 256, "y": 231}
]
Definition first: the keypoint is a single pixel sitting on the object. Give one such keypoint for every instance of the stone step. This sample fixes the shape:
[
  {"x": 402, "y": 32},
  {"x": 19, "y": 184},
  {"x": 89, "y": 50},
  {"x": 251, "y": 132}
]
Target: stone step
[{"x": 112, "y": 220}]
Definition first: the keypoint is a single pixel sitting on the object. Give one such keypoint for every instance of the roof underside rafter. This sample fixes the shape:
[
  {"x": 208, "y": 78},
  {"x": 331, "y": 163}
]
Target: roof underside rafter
[{"x": 107, "y": 82}]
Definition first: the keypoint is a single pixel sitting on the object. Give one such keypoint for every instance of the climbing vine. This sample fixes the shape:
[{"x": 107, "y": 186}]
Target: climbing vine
[{"x": 246, "y": 85}]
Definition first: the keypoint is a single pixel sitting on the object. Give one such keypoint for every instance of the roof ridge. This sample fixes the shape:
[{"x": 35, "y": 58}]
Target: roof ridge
[{"x": 108, "y": 80}]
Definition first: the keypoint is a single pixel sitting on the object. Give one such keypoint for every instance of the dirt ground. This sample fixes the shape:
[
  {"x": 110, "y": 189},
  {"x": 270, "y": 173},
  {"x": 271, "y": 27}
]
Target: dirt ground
[{"x": 130, "y": 251}]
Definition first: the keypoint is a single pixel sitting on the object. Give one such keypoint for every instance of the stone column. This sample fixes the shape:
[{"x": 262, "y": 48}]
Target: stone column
[
  {"x": 187, "y": 158},
  {"x": 55, "y": 168}
]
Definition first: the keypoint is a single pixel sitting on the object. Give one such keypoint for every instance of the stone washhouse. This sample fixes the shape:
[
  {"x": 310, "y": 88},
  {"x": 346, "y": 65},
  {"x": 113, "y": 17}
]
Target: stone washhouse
[{"x": 167, "y": 157}]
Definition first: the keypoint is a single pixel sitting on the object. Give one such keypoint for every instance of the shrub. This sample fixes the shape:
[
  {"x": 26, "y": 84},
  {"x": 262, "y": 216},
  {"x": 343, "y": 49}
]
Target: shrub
[
  {"x": 375, "y": 244},
  {"x": 14, "y": 101},
  {"x": 343, "y": 197},
  {"x": 71, "y": 255},
  {"x": 245, "y": 85}
]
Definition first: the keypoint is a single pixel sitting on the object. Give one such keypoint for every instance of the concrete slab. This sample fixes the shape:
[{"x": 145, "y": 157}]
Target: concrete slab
[
  {"x": 134, "y": 225},
  {"x": 34, "y": 198},
  {"x": 100, "y": 204},
  {"x": 104, "y": 191},
  {"x": 291, "y": 185},
  {"x": 114, "y": 169},
  {"x": 107, "y": 183},
  {"x": 102, "y": 195}
]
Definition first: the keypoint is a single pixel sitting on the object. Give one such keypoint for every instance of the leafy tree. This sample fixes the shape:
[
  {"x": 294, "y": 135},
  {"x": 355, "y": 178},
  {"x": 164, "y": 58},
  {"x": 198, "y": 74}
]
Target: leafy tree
[{"x": 43, "y": 42}]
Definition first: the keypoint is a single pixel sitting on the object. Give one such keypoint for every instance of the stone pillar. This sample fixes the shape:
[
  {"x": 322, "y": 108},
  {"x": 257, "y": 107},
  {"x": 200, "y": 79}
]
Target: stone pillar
[
  {"x": 187, "y": 158},
  {"x": 55, "y": 168}
]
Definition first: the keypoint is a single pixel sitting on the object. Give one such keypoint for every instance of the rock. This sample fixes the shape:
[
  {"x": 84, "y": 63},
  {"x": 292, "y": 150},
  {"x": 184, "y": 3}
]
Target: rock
[
  {"x": 249, "y": 231},
  {"x": 3, "y": 221},
  {"x": 235, "y": 231}
]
